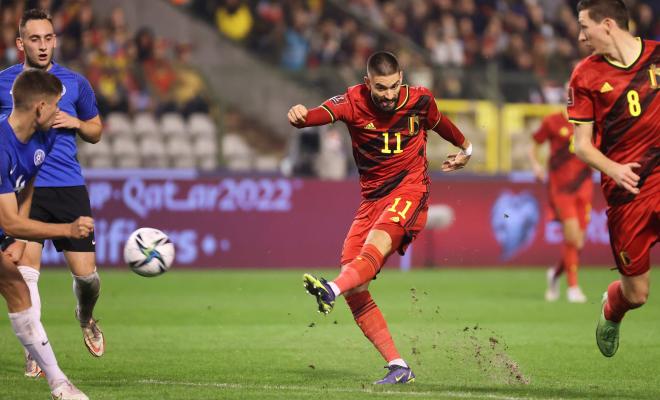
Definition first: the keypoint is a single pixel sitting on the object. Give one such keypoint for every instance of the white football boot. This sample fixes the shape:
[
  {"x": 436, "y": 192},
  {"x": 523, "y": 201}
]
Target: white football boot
[
  {"x": 574, "y": 295},
  {"x": 66, "y": 391}
]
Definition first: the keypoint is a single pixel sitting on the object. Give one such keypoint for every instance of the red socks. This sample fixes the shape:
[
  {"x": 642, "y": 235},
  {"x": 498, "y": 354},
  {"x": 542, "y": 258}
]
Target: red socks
[
  {"x": 569, "y": 257},
  {"x": 373, "y": 325},
  {"x": 361, "y": 270},
  {"x": 617, "y": 305}
]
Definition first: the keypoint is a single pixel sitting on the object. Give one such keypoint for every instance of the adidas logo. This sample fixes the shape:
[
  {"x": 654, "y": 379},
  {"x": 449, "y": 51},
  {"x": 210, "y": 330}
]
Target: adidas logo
[
  {"x": 606, "y": 88},
  {"x": 370, "y": 125}
]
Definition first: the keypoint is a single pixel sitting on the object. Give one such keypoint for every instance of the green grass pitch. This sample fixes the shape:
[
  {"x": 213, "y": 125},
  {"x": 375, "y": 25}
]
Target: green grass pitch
[{"x": 468, "y": 334}]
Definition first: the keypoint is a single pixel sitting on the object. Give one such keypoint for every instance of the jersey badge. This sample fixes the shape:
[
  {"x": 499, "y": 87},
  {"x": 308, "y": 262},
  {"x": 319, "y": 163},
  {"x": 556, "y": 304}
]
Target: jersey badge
[
  {"x": 338, "y": 99},
  {"x": 563, "y": 131},
  {"x": 569, "y": 97},
  {"x": 413, "y": 125},
  {"x": 370, "y": 126},
  {"x": 654, "y": 74},
  {"x": 39, "y": 157},
  {"x": 606, "y": 87}
]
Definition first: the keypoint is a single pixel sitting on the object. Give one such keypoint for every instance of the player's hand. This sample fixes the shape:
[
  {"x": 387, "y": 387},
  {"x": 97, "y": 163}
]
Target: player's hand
[
  {"x": 65, "y": 121},
  {"x": 297, "y": 115},
  {"x": 455, "y": 161},
  {"x": 15, "y": 251},
  {"x": 624, "y": 176},
  {"x": 82, "y": 227},
  {"x": 539, "y": 174}
]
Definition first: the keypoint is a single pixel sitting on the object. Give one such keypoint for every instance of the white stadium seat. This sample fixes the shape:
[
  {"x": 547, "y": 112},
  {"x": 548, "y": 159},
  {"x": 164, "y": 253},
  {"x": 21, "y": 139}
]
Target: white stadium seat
[{"x": 172, "y": 124}]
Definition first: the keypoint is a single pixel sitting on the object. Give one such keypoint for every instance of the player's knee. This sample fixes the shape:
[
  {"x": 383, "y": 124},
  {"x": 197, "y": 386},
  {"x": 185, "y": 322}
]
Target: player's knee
[{"x": 355, "y": 291}]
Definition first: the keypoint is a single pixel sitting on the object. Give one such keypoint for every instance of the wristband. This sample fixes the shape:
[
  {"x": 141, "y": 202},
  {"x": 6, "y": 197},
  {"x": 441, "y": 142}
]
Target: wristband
[{"x": 468, "y": 151}]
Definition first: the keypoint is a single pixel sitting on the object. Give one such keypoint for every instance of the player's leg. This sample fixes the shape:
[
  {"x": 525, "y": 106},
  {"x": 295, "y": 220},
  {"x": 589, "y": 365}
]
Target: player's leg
[
  {"x": 30, "y": 332},
  {"x": 573, "y": 243},
  {"x": 554, "y": 273},
  {"x": 86, "y": 287},
  {"x": 634, "y": 229},
  {"x": 30, "y": 266}
]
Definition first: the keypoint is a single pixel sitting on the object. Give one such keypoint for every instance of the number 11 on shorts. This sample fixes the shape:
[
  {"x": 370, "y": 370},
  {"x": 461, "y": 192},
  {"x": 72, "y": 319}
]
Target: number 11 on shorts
[{"x": 403, "y": 212}]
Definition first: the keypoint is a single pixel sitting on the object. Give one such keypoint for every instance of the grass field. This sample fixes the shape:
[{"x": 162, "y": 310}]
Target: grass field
[{"x": 469, "y": 334}]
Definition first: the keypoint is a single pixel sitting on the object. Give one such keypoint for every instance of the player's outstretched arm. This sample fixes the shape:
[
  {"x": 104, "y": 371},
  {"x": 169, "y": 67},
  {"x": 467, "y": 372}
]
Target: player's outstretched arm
[
  {"x": 622, "y": 174},
  {"x": 89, "y": 131},
  {"x": 300, "y": 117},
  {"x": 533, "y": 156},
  {"x": 19, "y": 226}
]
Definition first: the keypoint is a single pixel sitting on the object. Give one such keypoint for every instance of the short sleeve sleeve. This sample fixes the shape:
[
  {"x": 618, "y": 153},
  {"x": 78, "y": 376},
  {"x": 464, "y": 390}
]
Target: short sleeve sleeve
[
  {"x": 5, "y": 183},
  {"x": 543, "y": 133},
  {"x": 433, "y": 115},
  {"x": 339, "y": 108},
  {"x": 86, "y": 104},
  {"x": 580, "y": 103}
]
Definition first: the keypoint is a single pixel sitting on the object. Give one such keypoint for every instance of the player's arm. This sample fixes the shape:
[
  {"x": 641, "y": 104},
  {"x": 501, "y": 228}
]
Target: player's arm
[
  {"x": 300, "y": 117},
  {"x": 533, "y": 156},
  {"x": 450, "y": 132},
  {"x": 622, "y": 174},
  {"x": 15, "y": 250},
  {"x": 16, "y": 225},
  {"x": 89, "y": 130}
]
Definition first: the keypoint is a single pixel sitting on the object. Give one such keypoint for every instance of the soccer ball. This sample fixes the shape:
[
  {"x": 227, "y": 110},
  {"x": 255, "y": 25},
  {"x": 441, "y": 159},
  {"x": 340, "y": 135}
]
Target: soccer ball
[{"x": 149, "y": 252}]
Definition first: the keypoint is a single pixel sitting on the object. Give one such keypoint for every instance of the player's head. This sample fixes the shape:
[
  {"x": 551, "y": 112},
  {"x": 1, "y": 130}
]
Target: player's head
[
  {"x": 36, "y": 93},
  {"x": 384, "y": 77},
  {"x": 36, "y": 38},
  {"x": 598, "y": 20}
]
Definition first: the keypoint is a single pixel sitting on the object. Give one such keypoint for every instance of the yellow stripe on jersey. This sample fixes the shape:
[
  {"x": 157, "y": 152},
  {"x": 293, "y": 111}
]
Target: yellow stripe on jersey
[
  {"x": 329, "y": 112},
  {"x": 580, "y": 121},
  {"x": 405, "y": 100}
]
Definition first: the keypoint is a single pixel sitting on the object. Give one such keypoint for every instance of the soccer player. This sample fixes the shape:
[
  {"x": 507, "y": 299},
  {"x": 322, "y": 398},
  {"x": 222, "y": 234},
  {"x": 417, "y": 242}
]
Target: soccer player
[
  {"x": 388, "y": 123},
  {"x": 60, "y": 195},
  {"x": 22, "y": 152},
  {"x": 569, "y": 193},
  {"x": 614, "y": 98}
]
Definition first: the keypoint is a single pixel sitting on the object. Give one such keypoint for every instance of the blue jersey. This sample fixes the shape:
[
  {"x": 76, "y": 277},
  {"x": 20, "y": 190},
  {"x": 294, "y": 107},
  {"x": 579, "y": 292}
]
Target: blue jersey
[
  {"x": 61, "y": 168},
  {"x": 20, "y": 162}
]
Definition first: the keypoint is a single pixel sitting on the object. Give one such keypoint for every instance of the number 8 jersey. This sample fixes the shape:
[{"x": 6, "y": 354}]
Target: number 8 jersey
[
  {"x": 389, "y": 148},
  {"x": 623, "y": 103}
]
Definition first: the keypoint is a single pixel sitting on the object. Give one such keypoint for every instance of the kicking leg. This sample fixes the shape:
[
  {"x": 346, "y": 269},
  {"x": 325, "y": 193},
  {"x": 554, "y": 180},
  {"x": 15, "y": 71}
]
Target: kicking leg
[{"x": 86, "y": 287}]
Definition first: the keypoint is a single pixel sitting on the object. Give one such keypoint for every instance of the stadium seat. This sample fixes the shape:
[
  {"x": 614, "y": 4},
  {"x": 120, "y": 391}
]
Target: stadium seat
[
  {"x": 267, "y": 163},
  {"x": 236, "y": 152},
  {"x": 144, "y": 124},
  {"x": 125, "y": 152},
  {"x": 201, "y": 125},
  {"x": 98, "y": 155},
  {"x": 180, "y": 152},
  {"x": 172, "y": 124},
  {"x": 118, "y": 124},
  {"x": 206, "y": 153},
  {"x": 152, "y": 151}
]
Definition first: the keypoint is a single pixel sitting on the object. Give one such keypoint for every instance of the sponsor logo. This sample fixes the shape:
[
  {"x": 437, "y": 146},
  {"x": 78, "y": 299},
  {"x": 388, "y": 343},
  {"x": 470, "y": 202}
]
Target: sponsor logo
[
  {"x": 606, "y": 87},
  {"x": 370, "y": 125},
  {"x": 39, "y": 157},
  {"x": 563, "y": 131}
]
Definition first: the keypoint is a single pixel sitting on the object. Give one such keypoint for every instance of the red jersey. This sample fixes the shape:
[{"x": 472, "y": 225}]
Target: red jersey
[
  {"x": 624, "y": 105},
  {"x": 389, "y": 148},
  {"x": 566, "y": 172}
]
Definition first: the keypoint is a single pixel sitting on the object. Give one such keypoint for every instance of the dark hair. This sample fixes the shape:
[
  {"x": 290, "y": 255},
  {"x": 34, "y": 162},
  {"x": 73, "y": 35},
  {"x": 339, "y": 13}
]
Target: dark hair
[
  {"x": 382, "y": 63},
  {"x": 33, "y": 14},
  {"x": 32, "y": 85},
  {"x": 601, "y": 9}
]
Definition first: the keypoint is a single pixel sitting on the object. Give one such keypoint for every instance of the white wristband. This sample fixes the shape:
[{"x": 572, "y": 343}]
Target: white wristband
[{"x": 468, "y": 151}]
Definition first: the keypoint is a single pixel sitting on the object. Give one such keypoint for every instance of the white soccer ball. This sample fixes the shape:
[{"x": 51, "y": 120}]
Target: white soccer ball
[{"x": 149, "y": 252}]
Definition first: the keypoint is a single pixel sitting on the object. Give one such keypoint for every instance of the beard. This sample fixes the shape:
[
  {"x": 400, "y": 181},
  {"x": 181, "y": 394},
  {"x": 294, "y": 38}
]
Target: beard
[{"x": 383, "y": 104}]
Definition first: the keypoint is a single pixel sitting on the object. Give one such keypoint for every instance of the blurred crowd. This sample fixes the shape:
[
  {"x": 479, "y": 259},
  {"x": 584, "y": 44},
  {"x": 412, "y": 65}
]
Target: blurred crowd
[
  {"x": 456, "y": 47},
  {"x": 131, "y": 72}
]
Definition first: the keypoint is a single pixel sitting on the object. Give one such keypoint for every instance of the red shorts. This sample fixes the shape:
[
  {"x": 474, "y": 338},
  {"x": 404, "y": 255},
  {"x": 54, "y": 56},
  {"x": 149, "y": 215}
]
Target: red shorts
[
  {"x": 634, "y": 228},
  {"x": 574, "y": 205},
  {"x": 403, "y": 210}
]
